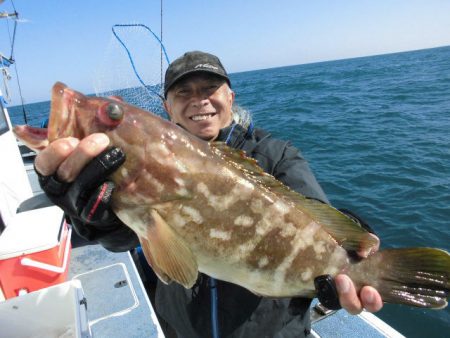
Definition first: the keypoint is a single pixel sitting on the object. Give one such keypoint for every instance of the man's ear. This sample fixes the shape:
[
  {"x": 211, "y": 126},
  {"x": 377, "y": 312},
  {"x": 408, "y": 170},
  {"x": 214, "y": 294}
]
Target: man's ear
[
  {"x": 232, "y": 96},
  {"x": 166, "y": 105}
]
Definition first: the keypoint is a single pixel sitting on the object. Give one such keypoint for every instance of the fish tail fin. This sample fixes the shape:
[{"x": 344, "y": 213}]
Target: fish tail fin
[{"x": 414, "y": 276}]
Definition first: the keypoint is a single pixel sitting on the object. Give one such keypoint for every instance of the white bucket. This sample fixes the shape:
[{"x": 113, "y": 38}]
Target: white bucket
[{"x": 57, "y": 311}]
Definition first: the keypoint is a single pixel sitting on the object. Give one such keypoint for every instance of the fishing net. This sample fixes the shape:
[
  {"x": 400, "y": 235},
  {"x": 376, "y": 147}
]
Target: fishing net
[{"x": 133, "y": 67}]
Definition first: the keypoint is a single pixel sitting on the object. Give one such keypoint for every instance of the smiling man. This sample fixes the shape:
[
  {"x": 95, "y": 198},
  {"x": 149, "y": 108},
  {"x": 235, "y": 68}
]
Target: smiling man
[
  {"x": 199, "y": 99},
  {"x": 198, "y": 94}
]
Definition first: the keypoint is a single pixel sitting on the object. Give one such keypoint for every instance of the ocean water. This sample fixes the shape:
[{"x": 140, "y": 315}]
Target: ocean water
[{"x": 376, "y": 132}]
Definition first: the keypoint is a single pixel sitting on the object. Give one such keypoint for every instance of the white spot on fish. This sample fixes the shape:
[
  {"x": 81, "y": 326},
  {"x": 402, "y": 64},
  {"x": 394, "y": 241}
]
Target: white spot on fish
[
  {"x": 183, "y": 192},
  {"x": 274, "y": 212},
  {"x": 194, "y": 214},
  {"x": 308, "y": 233},
  {"x": 201, "y": 153},
  {"x": 306, "y": 275},
  {"x": 124, "y": 172},
  {"x": 220, "y": 234},
  {"x": 163, "y": 150},
  {"x": 257, "y": 206},
  {"x": 298, "y": 243},
  {"x": 268, "y": 198},
  {"x": 180, "y": 166},
  {"x": 243, "y": 220},
  {"x": 281, "y": 207},
  {"x": 288, "y": 230},
  {"x": 245, "y": 187},
  {"x": 247, "y": 248},
  {"x": 319, "y": 247},
  {"x": 263, "y": 261},
  {"x": 178, "y": 220},
  {"x": 226, "y": 172},
  {"x": 179, "y": 181},
  {"x": 160, "y": 153},
  {"x": 336, "y": 260},
  {"x": 219, "y": 203},
  {"x": 264, "y": 226},
  {"x": 153, "y": 181}
]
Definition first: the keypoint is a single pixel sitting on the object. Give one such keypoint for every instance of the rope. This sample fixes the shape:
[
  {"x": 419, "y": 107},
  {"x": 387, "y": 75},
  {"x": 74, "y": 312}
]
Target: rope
[
  {"x": 230, "y": 133},
  {"x": 161, "y": 35},
  {"x": 213, "y": 282},
  {"x": 14, "y": 35},
  {"x": 12, "y": 42},
  {"x": 131, "y": 58},
  {"x": 214, "y": 310}
]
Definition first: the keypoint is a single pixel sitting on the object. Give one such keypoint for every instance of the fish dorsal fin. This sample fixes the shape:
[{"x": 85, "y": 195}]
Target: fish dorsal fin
[
  {"x": 347, "y": 233},
  {"x": 237, "y": 157},
  {"x": 168, "y": 254}
]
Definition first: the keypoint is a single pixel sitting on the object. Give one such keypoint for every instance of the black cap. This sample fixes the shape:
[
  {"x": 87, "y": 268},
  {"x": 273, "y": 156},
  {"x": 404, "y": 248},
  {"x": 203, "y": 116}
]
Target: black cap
[{"x": 192, "y": 62}]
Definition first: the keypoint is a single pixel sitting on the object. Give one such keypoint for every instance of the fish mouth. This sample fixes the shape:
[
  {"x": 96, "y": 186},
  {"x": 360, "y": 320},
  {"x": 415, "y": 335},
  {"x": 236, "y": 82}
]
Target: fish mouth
[
  {"x": 59, "y": 121},
  {"x": 202, "y": 117},
  {"x": 62, "y": 120}
]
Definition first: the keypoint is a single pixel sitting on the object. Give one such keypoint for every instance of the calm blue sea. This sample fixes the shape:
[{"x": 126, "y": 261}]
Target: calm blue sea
[{"x": 376, "y": 132}]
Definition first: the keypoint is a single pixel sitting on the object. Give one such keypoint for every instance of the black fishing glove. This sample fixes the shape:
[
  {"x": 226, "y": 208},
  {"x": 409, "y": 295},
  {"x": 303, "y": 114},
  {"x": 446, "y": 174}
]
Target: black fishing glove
[
  {"x": 86, "y": 202},
  {"x": 327, "y": 292}
]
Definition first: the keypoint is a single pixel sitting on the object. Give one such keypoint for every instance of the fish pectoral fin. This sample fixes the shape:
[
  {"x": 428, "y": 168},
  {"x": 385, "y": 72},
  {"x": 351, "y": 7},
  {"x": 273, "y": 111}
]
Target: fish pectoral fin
[
  {"x": 168, "y": 254},
  {"x": 148, "y": 256}
]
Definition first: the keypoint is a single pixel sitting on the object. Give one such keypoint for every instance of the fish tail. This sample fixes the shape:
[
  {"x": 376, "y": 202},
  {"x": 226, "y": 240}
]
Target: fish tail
[{"x": 414, "y": 276}]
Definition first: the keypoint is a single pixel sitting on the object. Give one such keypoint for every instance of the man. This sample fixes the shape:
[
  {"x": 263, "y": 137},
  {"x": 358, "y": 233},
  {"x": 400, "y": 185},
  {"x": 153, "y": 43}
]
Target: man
[{"x": 198, "y": 97}]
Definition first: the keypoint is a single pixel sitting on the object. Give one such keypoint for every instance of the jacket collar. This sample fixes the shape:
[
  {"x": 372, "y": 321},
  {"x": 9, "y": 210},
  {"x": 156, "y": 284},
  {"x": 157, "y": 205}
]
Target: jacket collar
[{"x": 233, "y": 135}]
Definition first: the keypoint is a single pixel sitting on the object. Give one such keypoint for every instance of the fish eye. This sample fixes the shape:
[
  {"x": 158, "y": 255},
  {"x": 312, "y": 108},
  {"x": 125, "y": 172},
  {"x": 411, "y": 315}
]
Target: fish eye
[
  {"x": 114, "y": 111},
  {"x": 110, "y": 114}
]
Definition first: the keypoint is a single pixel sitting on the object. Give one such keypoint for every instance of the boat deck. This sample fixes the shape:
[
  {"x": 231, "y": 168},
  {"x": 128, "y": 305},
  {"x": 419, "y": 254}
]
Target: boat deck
[{"x": 117, "y": 303}]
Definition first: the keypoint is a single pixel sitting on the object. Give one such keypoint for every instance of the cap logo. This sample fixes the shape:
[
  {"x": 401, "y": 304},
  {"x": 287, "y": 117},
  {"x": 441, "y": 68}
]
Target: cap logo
[{"x": 206, "y": 65}]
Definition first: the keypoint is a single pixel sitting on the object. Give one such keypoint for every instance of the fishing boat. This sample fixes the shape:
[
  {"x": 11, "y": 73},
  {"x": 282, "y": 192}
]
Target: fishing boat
[{"x": 55, "y": 284}]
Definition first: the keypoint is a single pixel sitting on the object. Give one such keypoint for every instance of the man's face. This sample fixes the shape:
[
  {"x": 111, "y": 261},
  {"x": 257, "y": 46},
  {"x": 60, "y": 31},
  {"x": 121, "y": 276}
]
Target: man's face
[{"x": 201, "y": 103}]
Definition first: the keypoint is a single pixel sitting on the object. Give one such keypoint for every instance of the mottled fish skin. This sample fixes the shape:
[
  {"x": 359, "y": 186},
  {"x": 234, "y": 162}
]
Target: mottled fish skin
[
  {"x": 197, "y": 206},
  {"x": 238, "y": 230}
]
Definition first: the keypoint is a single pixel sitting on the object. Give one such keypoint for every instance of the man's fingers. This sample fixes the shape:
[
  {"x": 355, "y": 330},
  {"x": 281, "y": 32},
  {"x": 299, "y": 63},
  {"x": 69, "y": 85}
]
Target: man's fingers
[
  {"x": 371, "y": 250},
  {"x": 347, "y": 294},
  {"x": 371, "y": 299},
  {"x": 68, "y": 156},
  {"x": 49, "y": 159},
  {"x": 87, "y": 149}
]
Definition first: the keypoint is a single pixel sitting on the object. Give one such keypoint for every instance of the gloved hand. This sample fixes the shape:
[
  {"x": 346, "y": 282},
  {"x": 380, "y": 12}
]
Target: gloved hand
[{"x": 86, "y": 201}]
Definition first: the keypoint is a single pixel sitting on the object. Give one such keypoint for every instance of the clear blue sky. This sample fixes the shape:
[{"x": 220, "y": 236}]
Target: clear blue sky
[{"x": 66, "y": 40}]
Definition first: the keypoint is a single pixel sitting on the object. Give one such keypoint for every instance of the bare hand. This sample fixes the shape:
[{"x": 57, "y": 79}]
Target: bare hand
[
  {"x": 66, "y": 157},
  {"x": 368, "y": 297}
]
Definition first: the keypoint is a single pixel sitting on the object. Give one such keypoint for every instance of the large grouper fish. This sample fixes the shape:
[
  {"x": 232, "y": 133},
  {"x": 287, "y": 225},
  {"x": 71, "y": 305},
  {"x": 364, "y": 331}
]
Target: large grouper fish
[{"x": 202, "y": 206}]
